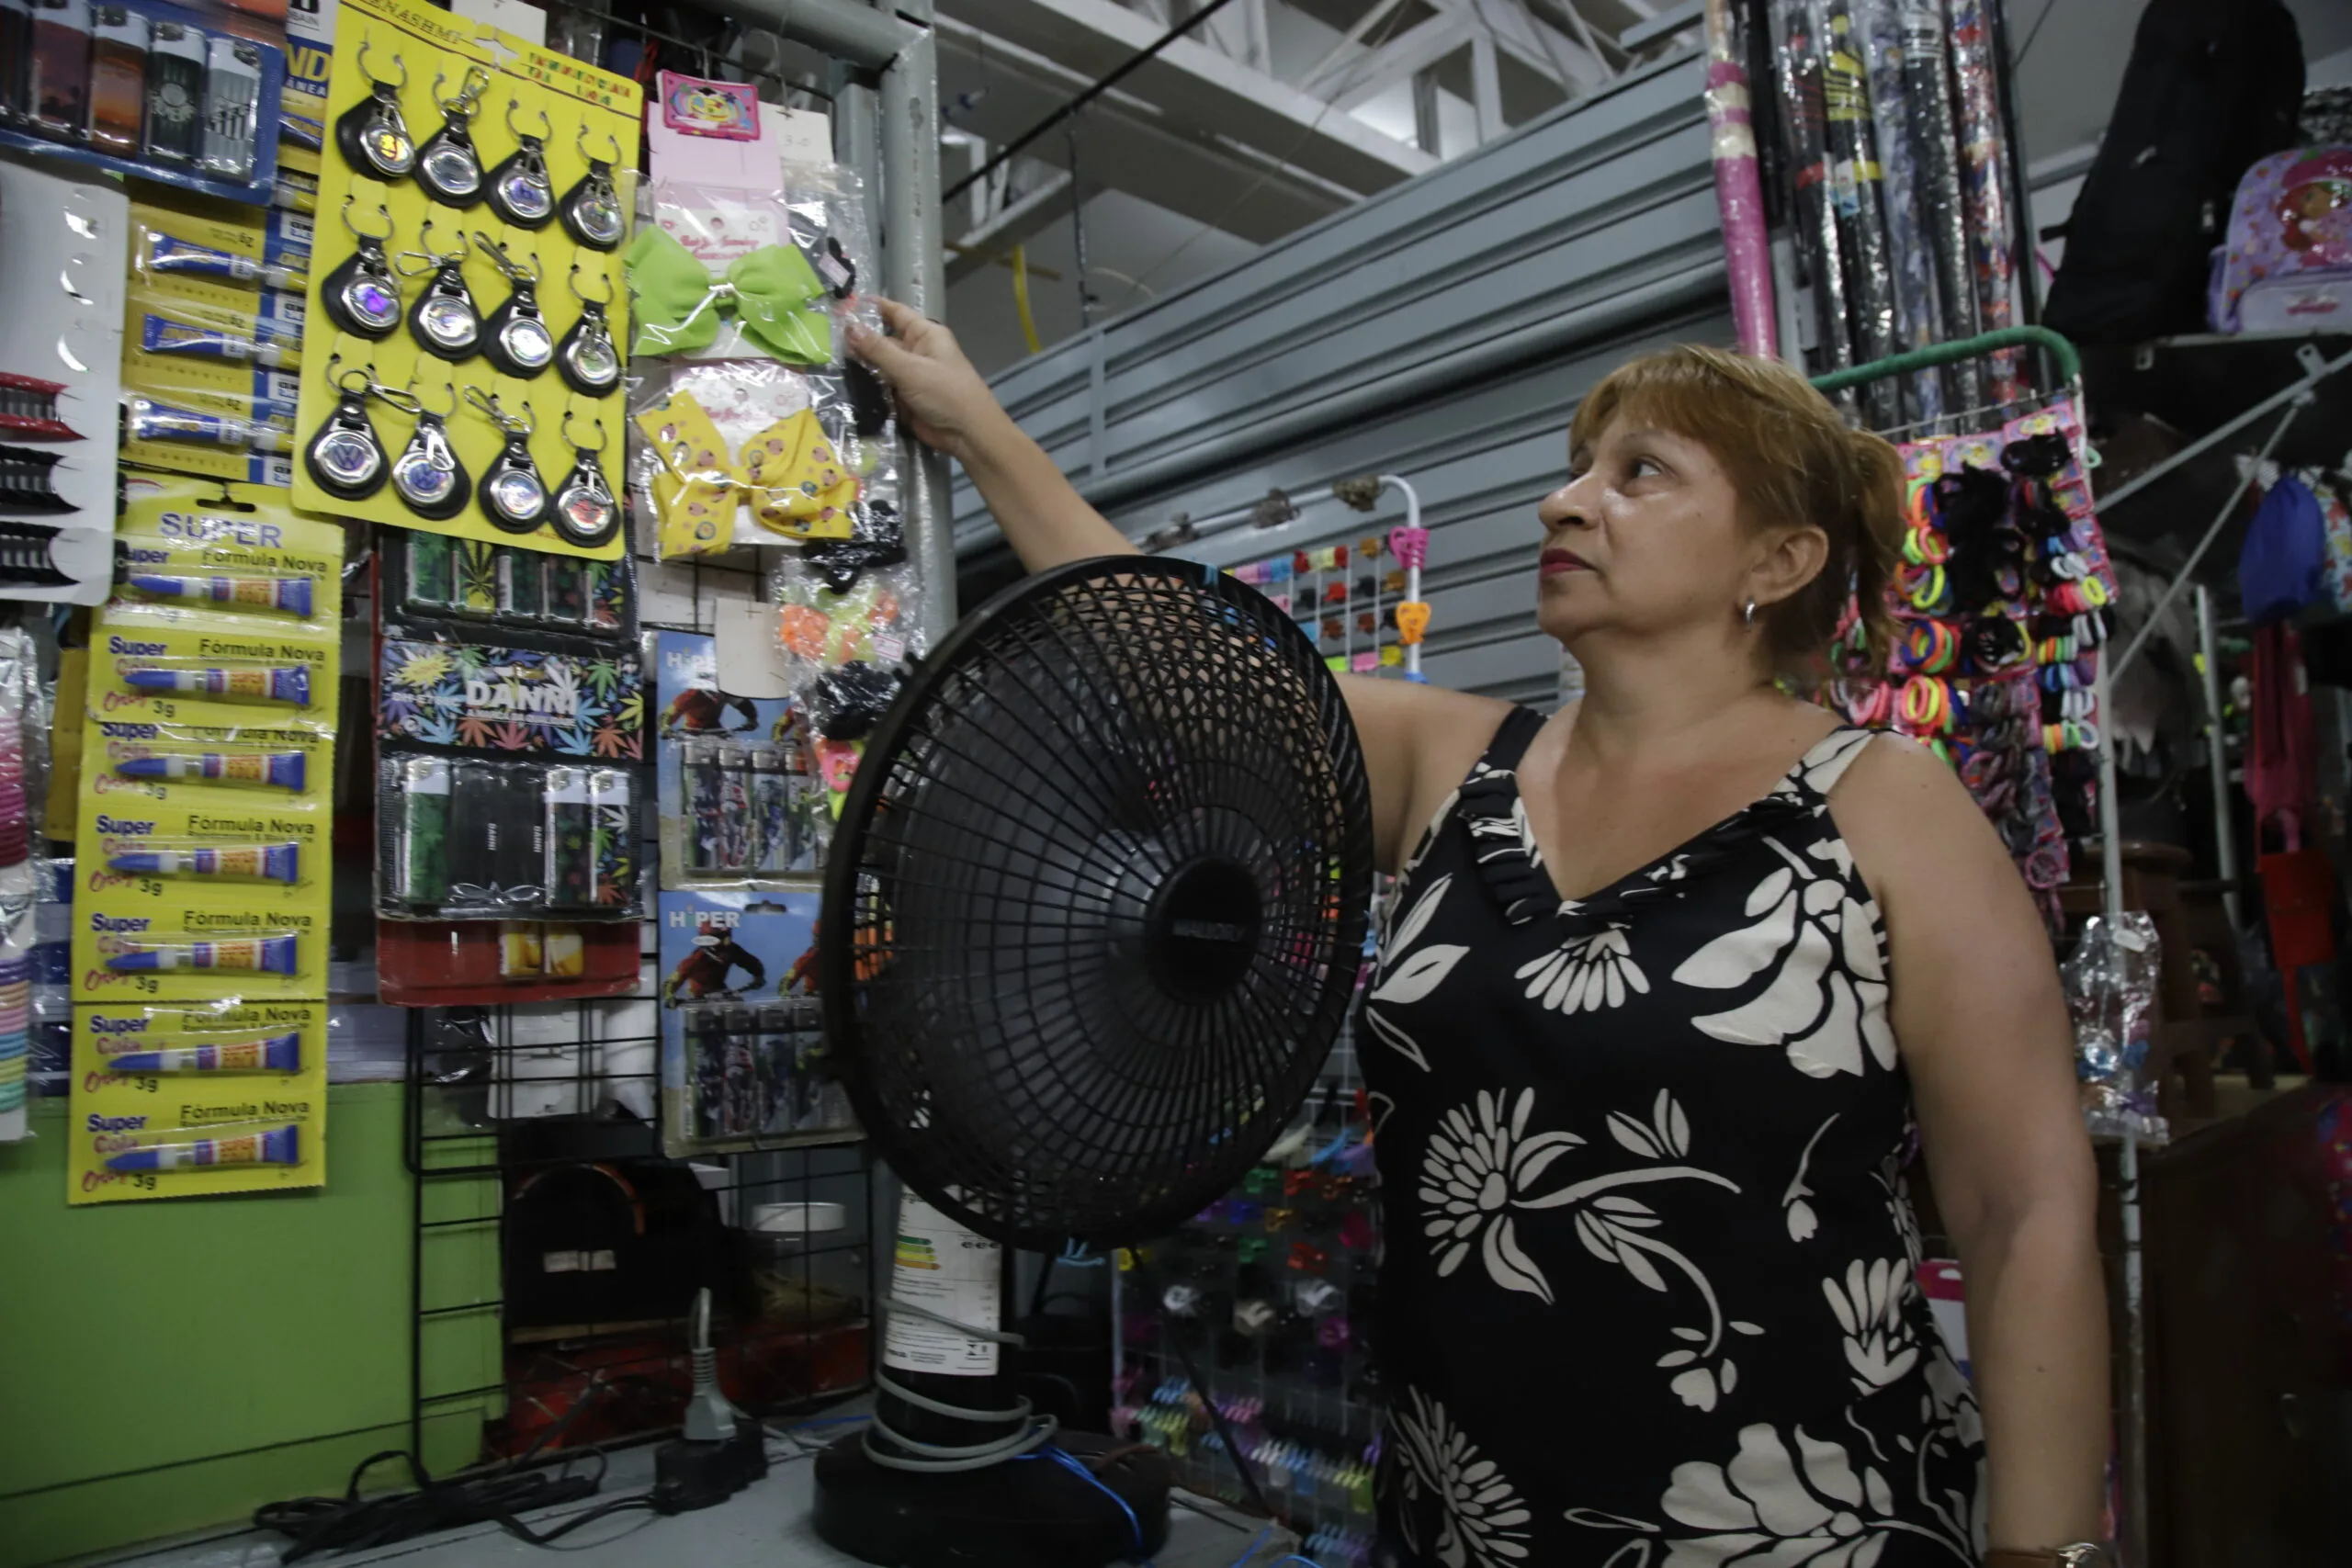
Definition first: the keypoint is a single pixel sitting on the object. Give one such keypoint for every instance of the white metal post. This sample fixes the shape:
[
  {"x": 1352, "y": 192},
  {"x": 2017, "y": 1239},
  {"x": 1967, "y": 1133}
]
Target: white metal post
[{"x": 2217, "y": 755}]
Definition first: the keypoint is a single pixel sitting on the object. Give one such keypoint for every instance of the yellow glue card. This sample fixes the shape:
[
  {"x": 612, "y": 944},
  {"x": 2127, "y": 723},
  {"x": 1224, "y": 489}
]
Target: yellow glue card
[{"x": 188, "y": 1101}]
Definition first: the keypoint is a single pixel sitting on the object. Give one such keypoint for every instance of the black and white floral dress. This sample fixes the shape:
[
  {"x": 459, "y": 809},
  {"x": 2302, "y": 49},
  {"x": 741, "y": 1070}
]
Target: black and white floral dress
[{"x": 1649, "y": 1299}]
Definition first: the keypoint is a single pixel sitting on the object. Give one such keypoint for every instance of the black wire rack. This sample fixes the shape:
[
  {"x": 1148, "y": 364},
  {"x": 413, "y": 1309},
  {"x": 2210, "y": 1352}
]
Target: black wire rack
[{"x": 548, "y": 1222}]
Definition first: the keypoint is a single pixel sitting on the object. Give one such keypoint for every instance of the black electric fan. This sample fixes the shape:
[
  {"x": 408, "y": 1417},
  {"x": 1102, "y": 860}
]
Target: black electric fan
[{"x": 1094, "y": 915}]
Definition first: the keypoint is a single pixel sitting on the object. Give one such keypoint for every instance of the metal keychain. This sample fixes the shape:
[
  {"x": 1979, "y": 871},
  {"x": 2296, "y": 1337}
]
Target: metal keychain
[
  {"x": 591, "y": 209},
  {"x": 587, "y": 358},
  {"x": 516, "y": 338},
  {"x": 345, "y": 457},
  {"x": 447, "y": 165},
  {"x": 521, "y": 192},
  {"x": 427, "y": 476},
  {"x": 513, "y": 495},
  {"x": 372, "y": 133},
  {"x": 361, "y": 296},
  {"x": 586, "y": 512},
  {"x": 445, "y": 321}
]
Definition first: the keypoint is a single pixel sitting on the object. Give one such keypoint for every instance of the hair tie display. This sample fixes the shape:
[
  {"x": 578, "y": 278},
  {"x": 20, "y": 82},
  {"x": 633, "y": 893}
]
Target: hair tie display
[
  {"x": 1929, "y": 590},
  {"x": 2037, "y": 456},
  {"x": 1930, "y": 646},
  {"x": 1926, "y": 705},
  {"x": 1994, "y": 643}
]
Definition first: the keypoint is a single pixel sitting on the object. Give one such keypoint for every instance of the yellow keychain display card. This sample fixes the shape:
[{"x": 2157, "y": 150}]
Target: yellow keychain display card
[
  {"x": 198, "y": 1102},
  {"x": 423, "y": 57}
]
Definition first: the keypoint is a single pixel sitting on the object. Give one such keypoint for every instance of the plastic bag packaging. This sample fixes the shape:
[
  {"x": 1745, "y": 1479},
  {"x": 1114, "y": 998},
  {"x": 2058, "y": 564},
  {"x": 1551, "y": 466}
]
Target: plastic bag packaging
[
  {"x": 725, "y": 274},
  {"x": 465, "y": 839},
  {"x": 748, "y": 452},
  {"x": 439, "y": 577},
  {"x": 2110, "y": 983},
  {"x": 759, "y": 1071},
  {"x": 1944, "y": 207},
  {"x": 1878, "y": 33},
  {"x": 1855, "y": 183},
  {"x": 24, "y": 771},
  {"x": 1796, "y": 67},
  {"x": 845, "y": 646},
  {"x": 1985, "y": 169},
  {"x": 749, "y": 426}
]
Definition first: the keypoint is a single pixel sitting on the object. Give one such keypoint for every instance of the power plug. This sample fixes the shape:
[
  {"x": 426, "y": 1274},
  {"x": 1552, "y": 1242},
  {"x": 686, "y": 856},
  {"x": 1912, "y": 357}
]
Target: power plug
[{"x": 690, "y": 1475}]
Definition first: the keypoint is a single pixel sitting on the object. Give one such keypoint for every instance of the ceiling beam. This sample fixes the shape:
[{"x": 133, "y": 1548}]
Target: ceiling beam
[
  {"x": 1197, "y": 89},
  {"x": 1126, "y": 143},
  {"x": 1542, "y": 49},
  {"x": 1024, "y": 218},
  {"x": 1410, "y": 52}
]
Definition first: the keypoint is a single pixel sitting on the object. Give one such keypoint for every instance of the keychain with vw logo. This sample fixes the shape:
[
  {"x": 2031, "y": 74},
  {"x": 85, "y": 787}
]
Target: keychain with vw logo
[
  {"x": 587, "y": 359},
  {"x": 513, "y": 495},
  {"x": 345, "y": 457},
  {"x": 447, "y": 166},
  {"x": 372, "y": 133},
  {"x": 515, "y": 339},
  {"x": 427, "y": 476},
  {"x": 591, "y": 209},
  {"x": 361, "y": 296},
  {"x": 521, "y": 192},
  {"x": 445, "y": 321},
  {"x": 586, "y": 512}
]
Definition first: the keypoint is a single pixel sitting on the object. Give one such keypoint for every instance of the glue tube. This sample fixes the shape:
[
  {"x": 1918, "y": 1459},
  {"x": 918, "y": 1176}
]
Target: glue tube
[
  {"x": 279, "y": 1146},
  {"x": 171, "y": 253},
  {"x": 269, "y": 955},
  {"x": 148, "y": 420},
  {"x": 291, "y": 595},
  {"x": 286, "y": 770},
  {"x": 278, "y": 1054},
  {"x": 278, "y": 862},
  {"x": 273, "y": 683},
  {"x": 159, "y": 334}
]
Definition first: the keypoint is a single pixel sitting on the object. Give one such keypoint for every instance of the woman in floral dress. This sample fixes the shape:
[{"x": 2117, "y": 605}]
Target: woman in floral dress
[{"x": 1670, "y": 980}]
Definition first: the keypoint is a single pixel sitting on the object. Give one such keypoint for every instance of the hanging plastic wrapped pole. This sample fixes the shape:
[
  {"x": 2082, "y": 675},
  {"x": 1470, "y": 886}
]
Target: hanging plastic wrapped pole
[
  {"x": 1917, "y": 323},
  {"x": 1985, "y": 170},
  {"x": 1739, "y": 194},
  {"x": 1796, "y": 71},
  {"x": 1943, "y": 205},
  {"x": 1854, "y": 191}
]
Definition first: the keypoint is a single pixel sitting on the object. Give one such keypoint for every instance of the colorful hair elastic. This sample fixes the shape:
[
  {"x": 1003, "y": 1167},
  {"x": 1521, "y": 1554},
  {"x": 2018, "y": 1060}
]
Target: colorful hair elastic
[
  {"x": 1929, "y": 647},
  {"x": 1926, "y": 705}
]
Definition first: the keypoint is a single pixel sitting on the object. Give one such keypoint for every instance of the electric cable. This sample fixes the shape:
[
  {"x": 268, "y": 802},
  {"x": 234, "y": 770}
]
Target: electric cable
[
  {"x": 1100, "y": 86},
  {"x": 354, "y": 1523},
  {"x": 1224, "y": 1429},
  {"x": 1371, "y": 48},
  {"x": 1078, "y": 1467}
]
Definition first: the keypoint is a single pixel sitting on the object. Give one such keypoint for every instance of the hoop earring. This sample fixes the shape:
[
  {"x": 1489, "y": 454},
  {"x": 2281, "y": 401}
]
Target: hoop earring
[{"x": 1748, "y": 615}]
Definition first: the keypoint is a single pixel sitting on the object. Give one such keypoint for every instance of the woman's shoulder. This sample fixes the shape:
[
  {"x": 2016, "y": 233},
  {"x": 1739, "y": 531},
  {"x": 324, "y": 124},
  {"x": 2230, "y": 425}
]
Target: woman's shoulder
[{"x": 1905, "y": 815}]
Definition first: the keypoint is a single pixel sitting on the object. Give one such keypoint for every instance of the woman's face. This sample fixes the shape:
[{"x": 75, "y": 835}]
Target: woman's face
[{"x": 1646, "y": 537}]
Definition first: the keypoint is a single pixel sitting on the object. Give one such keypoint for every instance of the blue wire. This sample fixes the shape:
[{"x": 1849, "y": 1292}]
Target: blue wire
[
  {"x": 1071, "y": 1462},
  {"x": 1243, "y": 1561}
]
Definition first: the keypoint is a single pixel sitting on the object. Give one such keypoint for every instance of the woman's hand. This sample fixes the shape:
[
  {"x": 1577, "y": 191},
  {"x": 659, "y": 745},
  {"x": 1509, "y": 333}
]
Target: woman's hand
[{"x": 942, "y": 398}]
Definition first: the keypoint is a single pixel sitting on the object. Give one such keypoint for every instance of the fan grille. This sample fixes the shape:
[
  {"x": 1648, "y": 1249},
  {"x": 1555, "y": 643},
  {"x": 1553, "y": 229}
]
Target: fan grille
[{"x": 1103, "y": 875}]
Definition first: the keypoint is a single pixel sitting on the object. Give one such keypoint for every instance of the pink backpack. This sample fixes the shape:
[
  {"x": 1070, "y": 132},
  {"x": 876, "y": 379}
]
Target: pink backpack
[{"x": 2287, "y": 262}]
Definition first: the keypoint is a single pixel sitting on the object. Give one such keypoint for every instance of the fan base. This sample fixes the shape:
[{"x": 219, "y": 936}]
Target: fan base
[{"x": 1021, "y": 1514}]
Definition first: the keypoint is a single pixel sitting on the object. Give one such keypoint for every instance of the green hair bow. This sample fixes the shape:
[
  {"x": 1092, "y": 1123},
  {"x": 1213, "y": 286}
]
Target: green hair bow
[{"x": 774, "y": 294}]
